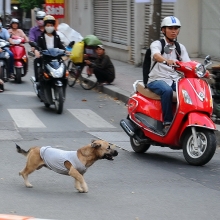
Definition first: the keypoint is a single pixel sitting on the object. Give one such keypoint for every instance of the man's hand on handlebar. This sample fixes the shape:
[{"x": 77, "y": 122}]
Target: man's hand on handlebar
[{"x": 171, "y": 63}]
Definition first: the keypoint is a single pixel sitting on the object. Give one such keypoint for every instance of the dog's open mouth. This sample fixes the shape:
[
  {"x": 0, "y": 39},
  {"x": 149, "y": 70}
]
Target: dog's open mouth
[{"x": 110, "y": 156}]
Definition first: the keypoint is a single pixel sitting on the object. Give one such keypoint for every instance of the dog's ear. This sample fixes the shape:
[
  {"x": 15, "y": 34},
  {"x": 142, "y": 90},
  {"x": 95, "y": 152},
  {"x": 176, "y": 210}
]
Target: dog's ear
[
  {"x": 95, "y": 145},
  {"x": 93, "y": 140}
]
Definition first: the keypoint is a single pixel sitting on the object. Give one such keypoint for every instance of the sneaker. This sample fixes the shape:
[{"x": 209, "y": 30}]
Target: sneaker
[
  {"x": 12, "y": 76},
  {"x": 166, "y": 128}
]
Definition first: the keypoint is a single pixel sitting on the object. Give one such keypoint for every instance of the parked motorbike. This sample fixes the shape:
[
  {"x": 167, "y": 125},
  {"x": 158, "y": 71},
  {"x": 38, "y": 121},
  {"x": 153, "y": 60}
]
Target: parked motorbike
[
  {"x": 4, "y": 61},
  {"x": 53, "y": 78},
  {"x": 192, "y": 128},
  {"x": 20, "y": 57}
]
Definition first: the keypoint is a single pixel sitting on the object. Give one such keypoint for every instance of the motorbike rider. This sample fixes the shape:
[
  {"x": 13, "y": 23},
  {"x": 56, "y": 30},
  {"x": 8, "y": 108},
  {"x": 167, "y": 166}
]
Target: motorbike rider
[
  {"x": 162, "y": 78},
  {"x": 34, "y": 33},
  {"x": 14, "y": 30},
  {"x": 48, "y": 39},
  {"x": 6, "y": 36}
]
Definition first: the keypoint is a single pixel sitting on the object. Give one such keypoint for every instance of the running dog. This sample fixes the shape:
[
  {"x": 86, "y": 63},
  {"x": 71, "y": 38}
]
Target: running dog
[{"x": 72, "y": 163}]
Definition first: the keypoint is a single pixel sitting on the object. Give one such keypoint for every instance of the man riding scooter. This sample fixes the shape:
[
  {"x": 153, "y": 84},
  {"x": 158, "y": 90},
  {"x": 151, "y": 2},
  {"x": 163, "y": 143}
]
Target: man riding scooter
[
  {"x": 34, "y": 33},
  {"x": 162, "y": 78}
]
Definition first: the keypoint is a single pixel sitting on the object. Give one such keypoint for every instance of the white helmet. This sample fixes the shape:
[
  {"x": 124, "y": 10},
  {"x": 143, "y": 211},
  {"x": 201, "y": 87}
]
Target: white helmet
[
  {"x": 170, "y": 21},
  {"x": 14, "y": 20},
  {"x": 40, "y": 15}
]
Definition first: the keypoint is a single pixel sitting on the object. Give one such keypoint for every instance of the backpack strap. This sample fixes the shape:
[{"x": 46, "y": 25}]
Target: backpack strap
[
  {"x": 178, "y": 51},
  {"x": 162, "y": 41}
]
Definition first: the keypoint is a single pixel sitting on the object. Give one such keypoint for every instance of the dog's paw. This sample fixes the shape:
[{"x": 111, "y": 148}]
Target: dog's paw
[
  {"x": 80, "y": 190},
  {"x": 28, "y": 185},
  {"x": 85, "y": 188}
]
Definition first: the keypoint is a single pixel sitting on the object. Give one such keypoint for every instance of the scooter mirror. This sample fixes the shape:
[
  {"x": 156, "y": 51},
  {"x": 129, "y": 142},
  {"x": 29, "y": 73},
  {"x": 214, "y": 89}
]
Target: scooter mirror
[{"x": 207, "y": 60}]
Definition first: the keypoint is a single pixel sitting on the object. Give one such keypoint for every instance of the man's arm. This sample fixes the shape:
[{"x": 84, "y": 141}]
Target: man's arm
[
  {"x": 31, "y": 35},
  {"x": 103, "y": 64}
]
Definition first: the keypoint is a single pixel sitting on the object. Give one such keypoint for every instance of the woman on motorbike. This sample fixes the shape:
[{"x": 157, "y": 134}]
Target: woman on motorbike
[
  {"x": 49, "y": 38},
  {"x": 14, "y": 30}
]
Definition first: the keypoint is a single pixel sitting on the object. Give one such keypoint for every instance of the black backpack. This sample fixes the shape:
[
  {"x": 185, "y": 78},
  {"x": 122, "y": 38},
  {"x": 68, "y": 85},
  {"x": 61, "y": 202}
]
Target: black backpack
[{"x": 147, "y": 59}]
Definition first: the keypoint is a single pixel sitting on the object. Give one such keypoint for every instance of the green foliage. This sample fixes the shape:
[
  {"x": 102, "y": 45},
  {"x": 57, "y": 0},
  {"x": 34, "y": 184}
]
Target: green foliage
[{"x": 30, "y": 4}]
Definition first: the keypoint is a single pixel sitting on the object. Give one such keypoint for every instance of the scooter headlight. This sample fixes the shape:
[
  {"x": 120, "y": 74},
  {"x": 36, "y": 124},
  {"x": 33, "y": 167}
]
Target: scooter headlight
[
  {"x": 200, "y": 70},
  {"x": 56, "y": 73},
  {"x": 186, "y": 97}
]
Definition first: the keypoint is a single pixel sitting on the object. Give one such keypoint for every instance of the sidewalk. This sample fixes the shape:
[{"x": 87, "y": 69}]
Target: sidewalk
[{"x": 126, "y": 75}]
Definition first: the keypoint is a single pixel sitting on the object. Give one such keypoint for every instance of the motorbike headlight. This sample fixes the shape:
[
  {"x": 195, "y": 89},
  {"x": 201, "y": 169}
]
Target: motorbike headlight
[
  {"x": 56, "y": 73},
  {"x": 186, "y": 97},
  {"x": 200, "y": 70}
]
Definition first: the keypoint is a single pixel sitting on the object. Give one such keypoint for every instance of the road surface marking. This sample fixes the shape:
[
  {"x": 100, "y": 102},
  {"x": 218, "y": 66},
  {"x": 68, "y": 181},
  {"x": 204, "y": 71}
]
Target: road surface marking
[
  {"x": 25, "y": 118},
  {"x": 90, "y": 118}
]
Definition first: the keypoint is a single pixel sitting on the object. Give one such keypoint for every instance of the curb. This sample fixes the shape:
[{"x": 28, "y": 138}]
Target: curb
[{"x": 115, "y": 92}]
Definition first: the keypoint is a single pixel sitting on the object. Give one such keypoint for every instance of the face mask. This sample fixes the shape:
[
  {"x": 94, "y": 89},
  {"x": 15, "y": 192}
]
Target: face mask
[
  {"x": 0, "y": 24},
  {"x": 49, "y": 30},
  {"x": 40, "y": 23}
]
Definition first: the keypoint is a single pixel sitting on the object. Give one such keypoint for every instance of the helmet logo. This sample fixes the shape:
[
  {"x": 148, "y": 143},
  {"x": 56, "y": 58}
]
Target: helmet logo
[{"x": 173, "y": 19}]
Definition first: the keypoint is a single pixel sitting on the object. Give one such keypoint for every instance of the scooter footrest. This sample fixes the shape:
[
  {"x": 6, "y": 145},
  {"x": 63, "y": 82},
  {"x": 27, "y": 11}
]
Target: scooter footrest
[{"x": 154, "y": 125}]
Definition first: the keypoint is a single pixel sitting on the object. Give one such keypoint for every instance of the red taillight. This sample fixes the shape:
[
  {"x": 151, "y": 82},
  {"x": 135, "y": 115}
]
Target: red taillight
[
  {"x": 24, "y": 58},
  {"x": 132, "y": 104}
]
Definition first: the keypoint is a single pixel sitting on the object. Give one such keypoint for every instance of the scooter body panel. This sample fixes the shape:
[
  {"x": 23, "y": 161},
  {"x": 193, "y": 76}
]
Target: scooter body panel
[{"x": 20, "y": 57}]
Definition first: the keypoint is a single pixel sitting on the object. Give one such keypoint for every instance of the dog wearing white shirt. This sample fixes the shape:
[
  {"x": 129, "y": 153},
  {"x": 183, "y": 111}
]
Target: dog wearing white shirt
[{"x": 72, "y": 163}]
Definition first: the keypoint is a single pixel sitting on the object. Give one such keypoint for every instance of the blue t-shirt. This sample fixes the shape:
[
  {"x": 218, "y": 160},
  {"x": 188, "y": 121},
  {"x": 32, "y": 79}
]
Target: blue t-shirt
[{"x": 4, "y": 34}]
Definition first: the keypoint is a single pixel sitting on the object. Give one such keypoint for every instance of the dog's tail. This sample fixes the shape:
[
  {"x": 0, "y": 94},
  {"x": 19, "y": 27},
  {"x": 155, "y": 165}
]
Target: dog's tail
[{"x": 21, "y": 151}]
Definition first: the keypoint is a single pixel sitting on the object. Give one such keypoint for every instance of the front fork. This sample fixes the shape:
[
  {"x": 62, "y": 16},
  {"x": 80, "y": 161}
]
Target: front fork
[
  {"x": 195, "y": 140},
  {"x": 57, "y": 84}
]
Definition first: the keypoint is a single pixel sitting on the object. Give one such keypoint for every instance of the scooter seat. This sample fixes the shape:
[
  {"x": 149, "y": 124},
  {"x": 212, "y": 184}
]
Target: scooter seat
[{"x": 147, "y": 93}]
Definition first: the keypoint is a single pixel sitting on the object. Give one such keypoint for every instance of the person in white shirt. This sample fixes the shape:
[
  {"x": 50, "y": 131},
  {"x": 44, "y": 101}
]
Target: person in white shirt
[{"x": 162, "y": 77}]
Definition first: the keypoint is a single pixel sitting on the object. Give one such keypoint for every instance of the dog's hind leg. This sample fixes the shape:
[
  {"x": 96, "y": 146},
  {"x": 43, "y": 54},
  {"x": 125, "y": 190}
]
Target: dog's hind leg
[
  {"x": 34, "y": 162},
  {"x": 80, "y": 183}
]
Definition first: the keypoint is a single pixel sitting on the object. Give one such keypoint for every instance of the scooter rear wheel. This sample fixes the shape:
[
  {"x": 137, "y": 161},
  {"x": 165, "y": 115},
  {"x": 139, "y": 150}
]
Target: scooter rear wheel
[
  {"x": 18, "y": 75},
  {"x": 206, "y": 147},
  {"x": 138, "y": 147}
]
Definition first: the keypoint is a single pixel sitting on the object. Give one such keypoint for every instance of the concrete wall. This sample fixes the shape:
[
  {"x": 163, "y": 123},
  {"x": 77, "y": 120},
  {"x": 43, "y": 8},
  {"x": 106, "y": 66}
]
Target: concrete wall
[
  {"x": 188, "y": 12},
  {"x": 80, "y": 14}
]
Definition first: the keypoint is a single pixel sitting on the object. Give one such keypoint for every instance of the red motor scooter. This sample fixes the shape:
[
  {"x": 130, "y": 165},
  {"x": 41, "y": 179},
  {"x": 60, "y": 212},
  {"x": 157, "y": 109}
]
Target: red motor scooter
[
  {"x": 192, "y": 128},
  {"x": 20, "y": 57}
]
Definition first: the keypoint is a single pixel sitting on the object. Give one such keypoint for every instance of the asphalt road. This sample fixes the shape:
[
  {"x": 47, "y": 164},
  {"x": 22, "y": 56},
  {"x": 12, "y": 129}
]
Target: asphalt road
[{"x": 155, "y": 185}]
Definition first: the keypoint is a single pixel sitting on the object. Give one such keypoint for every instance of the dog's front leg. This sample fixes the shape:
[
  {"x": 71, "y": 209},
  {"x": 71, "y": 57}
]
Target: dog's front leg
[{"x": 80, "y": 183}]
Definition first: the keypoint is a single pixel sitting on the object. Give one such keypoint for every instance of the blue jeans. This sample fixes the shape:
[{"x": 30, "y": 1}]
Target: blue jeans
[
  {"x": 165, "y": 92},
  {"x": 11, "y": 60}
]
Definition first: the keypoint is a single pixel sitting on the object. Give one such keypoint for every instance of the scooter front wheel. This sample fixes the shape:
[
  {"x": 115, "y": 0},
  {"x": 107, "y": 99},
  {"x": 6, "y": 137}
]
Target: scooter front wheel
[
  {"x": 138, "y": 147},
  {"x": 59, "y": 99},
  {"x": 206, "y": 141}
]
